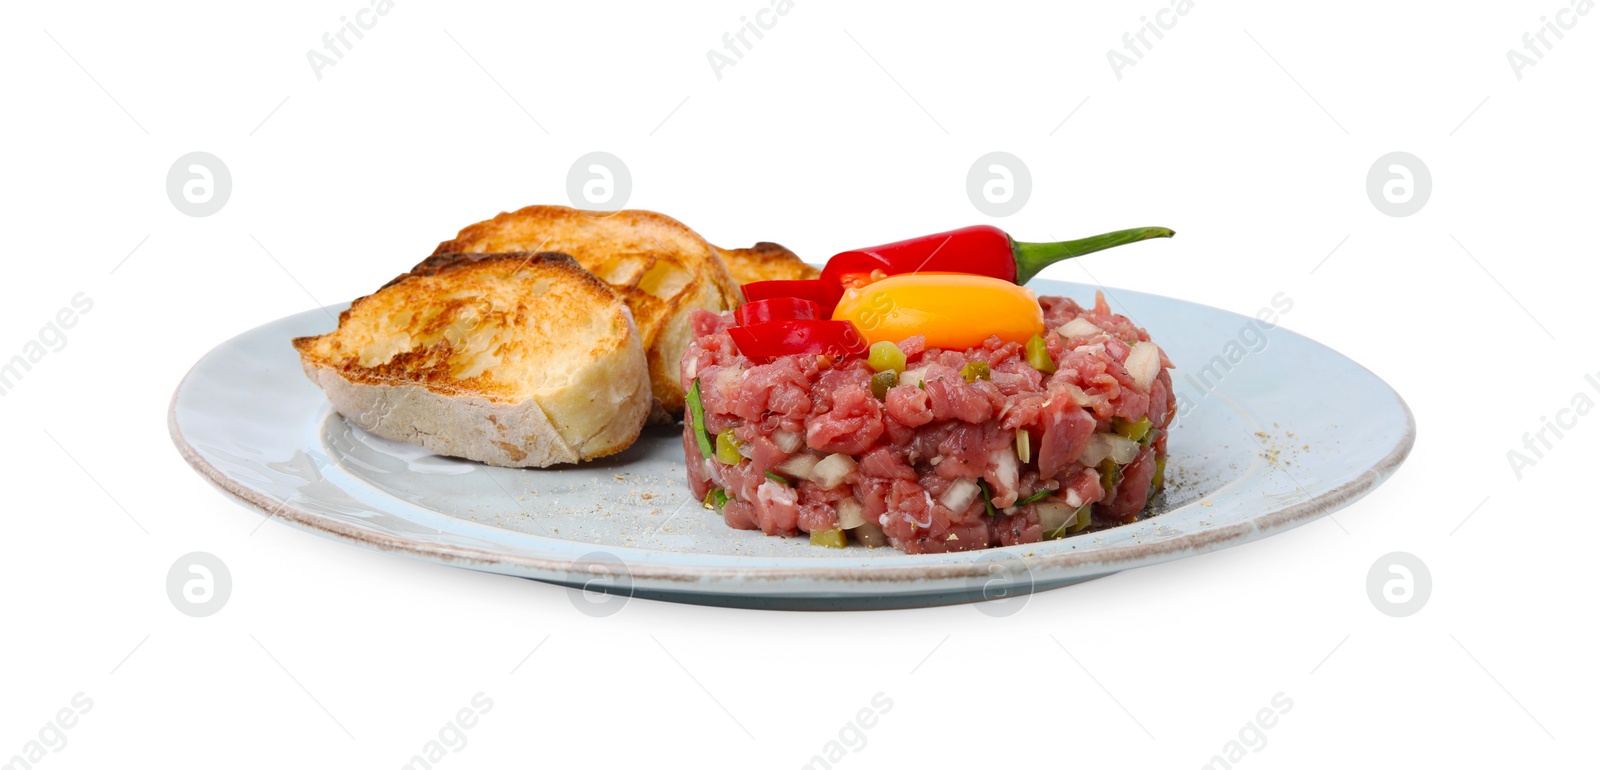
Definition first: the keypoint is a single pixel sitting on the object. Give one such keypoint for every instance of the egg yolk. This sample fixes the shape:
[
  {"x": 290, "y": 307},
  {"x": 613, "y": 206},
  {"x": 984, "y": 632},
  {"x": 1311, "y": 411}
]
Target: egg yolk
[{"x": 954, "y": 311}]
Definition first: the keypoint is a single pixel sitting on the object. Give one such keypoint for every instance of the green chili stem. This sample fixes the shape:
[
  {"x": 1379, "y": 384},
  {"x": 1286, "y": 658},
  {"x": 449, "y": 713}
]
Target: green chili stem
[{"x": 1034, "y": 257}]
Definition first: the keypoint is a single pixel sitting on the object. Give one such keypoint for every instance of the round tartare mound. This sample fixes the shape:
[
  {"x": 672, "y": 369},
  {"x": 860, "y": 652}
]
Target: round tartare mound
[{"x": 941, "y": 462}]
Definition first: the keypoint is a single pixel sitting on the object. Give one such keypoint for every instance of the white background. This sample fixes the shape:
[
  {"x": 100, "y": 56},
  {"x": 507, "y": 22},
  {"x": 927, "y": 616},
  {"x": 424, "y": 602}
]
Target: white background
[{"x": 1249, "y": 128}]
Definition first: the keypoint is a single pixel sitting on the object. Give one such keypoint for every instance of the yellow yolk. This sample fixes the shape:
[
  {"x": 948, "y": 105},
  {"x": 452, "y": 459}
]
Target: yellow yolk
[{"x": 953, "y": 310}]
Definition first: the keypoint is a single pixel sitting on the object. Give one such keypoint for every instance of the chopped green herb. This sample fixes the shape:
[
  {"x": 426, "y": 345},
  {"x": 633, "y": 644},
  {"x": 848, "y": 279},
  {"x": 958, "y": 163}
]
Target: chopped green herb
[
  {"x": 777, "y": 478},
  {"x": 715, "y": 499},
  {"x": 1035, "y": 497},
  {"x": 697, "y": 413},
  {"x": 988, "y": 502}
]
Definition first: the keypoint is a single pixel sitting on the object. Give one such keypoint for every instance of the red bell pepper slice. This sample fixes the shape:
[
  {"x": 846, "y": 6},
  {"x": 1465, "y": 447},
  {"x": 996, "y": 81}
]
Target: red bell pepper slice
[
  {"x": 815, "y": 337},
  {"x": 777, "y": 309},
  {"x": 824, "y": 294}
]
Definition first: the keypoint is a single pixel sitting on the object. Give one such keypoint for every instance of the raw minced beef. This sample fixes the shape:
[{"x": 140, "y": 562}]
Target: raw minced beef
[{"x": 929, "y": 462}]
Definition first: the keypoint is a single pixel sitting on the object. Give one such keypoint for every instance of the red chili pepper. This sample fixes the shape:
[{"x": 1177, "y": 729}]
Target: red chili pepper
[
  {"x": 788, "y": 317},
  {"x": 783, "y": 338},
  {"x": 777, "y": 309},
  {"x": 980, "y": 250}
]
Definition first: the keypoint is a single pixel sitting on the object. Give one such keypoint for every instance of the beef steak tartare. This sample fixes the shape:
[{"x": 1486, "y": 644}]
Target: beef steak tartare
[{"x": 947, "y": 450}]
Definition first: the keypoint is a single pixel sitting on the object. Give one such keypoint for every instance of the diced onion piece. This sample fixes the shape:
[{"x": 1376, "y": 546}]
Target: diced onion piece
[
  {"x": 787, "y": 440},
  {"x": 871, "y": 535},
  {"x": 1078, "y": 396},
  {"x": 727, "y": 378},
  {"x": 1144, "y": 363},
  {"x": 1102, "y": 446},
  {"x": 1055, "y": 518},
  {"x": 849, "y": 513},
  {"x": 1005, "y": 473},
  {"x": 959, "y": 494},
  {"x": 914, "y": 377},
  {"x": 1094, "y": 451},
  {"x": 1122, "y": 450},
  {"x": 799, "y": 466},
  {"x": 1078, "y": 327},
  {"x": 831, "y": 471},
  {"x": 1024, "y": 445}
]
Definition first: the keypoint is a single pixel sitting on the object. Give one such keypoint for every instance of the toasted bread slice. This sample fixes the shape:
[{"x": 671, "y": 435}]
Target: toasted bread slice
[
  {"x": 766, "y": 262},
  {"x": 509, "y": 359},
  {"x": 661, "y": 268}
]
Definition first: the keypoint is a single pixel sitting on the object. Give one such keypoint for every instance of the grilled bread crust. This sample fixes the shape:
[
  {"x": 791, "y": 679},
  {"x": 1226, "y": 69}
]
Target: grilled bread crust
[
  {"x": 519, "y": 360},
  {"x": 766, "y": 261},
  {"x": 659, "y": 266}
]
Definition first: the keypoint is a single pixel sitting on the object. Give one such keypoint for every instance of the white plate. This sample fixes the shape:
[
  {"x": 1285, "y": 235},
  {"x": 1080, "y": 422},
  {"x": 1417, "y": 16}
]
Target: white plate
[{"x": 1286, "y": 434}]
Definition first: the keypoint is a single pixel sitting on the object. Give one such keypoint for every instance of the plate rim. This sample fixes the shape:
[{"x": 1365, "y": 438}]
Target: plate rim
[{"x": 1060, "y": 565}]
